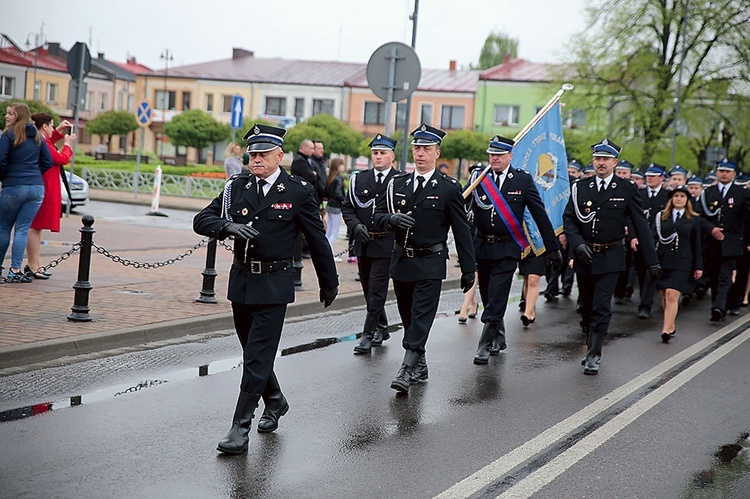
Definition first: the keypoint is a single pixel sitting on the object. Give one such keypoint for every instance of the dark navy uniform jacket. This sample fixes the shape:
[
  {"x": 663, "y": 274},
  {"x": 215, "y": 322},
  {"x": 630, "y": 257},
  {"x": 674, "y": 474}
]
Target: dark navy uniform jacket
[
  {"x": 520, "y": 192},
  {"x": 684, "y": 252},
  {"x": 732, "y": 213},
  {"x": 438, "y": 208},
  {"x": 607, "y": 215},
  {"x": 366, "y": 188},
  {"x": 288, "y": 207}
]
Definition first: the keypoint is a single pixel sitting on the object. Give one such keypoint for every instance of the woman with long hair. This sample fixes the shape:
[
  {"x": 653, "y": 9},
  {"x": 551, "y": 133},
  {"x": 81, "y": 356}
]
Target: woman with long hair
[
  {"x": 48, "y": 216},
  {"x": 335, "y": 195},
  {"x": 679, "y": 248},
  {"x": 24, "y": 157}
]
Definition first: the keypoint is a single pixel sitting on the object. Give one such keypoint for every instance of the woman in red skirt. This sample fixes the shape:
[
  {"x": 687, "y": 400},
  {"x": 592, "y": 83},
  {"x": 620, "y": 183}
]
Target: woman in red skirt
[{"x": 48, "y": 216}]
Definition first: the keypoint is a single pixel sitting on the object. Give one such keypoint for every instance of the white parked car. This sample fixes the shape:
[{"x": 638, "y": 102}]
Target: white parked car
[{"x": 79, "y": 191}]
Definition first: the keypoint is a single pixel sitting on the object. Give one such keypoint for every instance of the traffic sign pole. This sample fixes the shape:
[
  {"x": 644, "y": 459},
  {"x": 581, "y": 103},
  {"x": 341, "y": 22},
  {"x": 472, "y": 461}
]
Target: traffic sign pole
[
  {"x": 76, "y": 116},
  {"x": 144, "y": 114}
]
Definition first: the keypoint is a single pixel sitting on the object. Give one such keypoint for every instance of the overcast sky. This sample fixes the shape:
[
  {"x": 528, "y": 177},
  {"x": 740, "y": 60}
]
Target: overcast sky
[{"x": 333, "y": 30}]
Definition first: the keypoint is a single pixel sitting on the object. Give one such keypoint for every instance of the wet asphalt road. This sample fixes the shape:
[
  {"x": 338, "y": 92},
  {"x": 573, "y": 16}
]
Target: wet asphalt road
[{"x": 530, "y": 423}]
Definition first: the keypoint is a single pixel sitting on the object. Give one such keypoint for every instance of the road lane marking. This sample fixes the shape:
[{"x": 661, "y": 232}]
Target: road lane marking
[
  {"x": 501, "y": 466},
  {"x": 544, "y": 475}
]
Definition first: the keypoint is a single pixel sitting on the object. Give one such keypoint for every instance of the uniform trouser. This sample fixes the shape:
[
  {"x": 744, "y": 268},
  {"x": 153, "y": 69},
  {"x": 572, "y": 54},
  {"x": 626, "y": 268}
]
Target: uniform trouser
[
  {"x": 373, "y": 276},
  {"x": 495, "y": 279},
  {"x": 596, "y": 293},
  {"x": 258, "y": 328},
  {"x": 737, "y": 292},
  {"x": 417, "y": 305},
  {"x": 568, "y": 275},
  {"x": 720, "y": 271}
]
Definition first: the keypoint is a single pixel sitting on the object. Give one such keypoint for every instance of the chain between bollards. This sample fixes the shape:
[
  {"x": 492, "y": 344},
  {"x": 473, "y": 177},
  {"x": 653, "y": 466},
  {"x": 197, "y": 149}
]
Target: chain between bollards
[{"x": 82, "y": 286}]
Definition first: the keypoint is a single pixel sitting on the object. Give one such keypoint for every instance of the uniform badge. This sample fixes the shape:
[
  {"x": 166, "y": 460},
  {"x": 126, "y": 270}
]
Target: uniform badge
[
  {"x": 403, "y": 202},
  {"x": 281, "y": 187},
  {"x": 484, "y": 198},
  {"x": 256, "y": 130},
  {"x": 433, "y": 182},
  {"x": 365, "y": 191},
  {"x": 510, "y": 175},
  {"x": 588, "y": 203},
  {"x": 614, "y": 185},
  {"x": 730, "y": 201},
  {"x": 378, "y": 137},
  {"x": 244, "y": 212},
  {"x": 303, "y": 182},
  {"x": 247, "y": 186},
  {"x": 591, "y": 185},
  {"x": 424, "y": 128}
]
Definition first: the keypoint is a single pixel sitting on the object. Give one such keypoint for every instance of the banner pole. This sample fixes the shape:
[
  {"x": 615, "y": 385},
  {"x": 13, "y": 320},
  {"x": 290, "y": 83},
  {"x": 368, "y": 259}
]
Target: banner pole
[{"x": 538, "y": 116}]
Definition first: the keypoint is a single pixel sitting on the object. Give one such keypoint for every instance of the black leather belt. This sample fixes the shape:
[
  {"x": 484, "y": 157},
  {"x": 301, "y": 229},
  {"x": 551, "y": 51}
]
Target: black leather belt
[
  {"x": 500, "y": 238},
  {"x": 412, "y": 252},
  {"x": 256, "y": 267},
  {"x": 380, "y": 235},
  {"x": 598, "y": 248}
]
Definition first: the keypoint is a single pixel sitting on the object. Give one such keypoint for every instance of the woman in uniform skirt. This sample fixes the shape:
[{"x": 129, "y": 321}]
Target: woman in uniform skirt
[
  {"x": 532, "y": 268},
  {"x": 679, "y": 249}
]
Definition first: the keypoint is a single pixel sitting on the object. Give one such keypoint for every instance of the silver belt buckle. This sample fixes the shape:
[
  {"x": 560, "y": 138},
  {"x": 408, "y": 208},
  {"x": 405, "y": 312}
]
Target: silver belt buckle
[
  {"x": 255, "y": 267},
  {"x": 409, "y": 252}
]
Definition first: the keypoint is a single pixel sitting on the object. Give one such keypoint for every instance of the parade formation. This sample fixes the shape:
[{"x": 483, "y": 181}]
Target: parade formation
[{"x": 614, "y": 231}]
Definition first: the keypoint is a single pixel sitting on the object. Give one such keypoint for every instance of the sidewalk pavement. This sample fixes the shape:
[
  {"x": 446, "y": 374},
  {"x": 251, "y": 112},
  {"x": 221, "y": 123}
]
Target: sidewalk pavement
[{"x": 131, "y": 306}]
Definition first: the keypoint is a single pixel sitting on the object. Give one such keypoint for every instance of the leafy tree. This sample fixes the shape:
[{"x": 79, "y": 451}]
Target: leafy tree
[
  {"x": 112, "y": 123},
  {"x": 197, "y": 129},
  {"x": 496, "y": 48},
  {"x": 35, "y": 106},
  {"x": 627, "y": 64},
  {"x": 464, "y": 145},
  {"x": 337, "y": 136}
]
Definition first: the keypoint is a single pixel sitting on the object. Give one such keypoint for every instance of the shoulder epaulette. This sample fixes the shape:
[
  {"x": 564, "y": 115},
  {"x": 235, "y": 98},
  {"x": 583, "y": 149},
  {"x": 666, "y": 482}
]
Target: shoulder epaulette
[{"x": 298, "y": 180}]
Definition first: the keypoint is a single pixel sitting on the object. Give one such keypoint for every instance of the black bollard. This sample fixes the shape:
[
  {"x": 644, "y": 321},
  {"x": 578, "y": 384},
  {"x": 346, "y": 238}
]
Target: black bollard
[
  {"x": 208, "y": 295},
  {"x": 82, "y": 286}
]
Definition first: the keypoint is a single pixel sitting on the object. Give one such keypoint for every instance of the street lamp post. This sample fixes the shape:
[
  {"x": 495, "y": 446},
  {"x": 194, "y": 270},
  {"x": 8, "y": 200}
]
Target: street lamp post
[
  {"x": 39, "y": 40},
  {"x": 167, "y": 56}
]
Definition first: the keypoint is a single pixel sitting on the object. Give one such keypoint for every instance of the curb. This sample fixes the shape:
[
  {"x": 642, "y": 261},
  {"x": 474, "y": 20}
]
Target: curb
[{"x": 146, "y": 335}]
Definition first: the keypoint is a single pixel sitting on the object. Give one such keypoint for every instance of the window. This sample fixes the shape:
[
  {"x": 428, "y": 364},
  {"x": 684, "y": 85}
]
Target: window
[
  {"x": 37, "y": 87},
  {"x": 425, "y": 116},
  {"x": 507, "y": 115},
  {"x": 166, "y": 100},
  {"x": 209, "y": 103},
  {"x": 185, "y": 101},
  {"x": 7, "y": 85},
  {"x": 120, "y": 100},
  {"x": 299, "y": 109},
  {"x": 226, "y": 103},
  {"x": 400, "y": 115},
  {"x": 452, "y": 117},
  {"x": 276, "y": 106},
  {"x": 374, "y": 113},
  {"x": 131, "y": 102},
  {"x": 576, "y": 118},
  {"x": 102, "y": 101},
  {"x": 322, "y": 106},
  {"x": 51, "y": 92}
]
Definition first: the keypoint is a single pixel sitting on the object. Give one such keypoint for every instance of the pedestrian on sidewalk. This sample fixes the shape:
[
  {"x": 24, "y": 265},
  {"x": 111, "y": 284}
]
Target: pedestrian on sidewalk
[
  {"x": 373, "y": 247},
  {"x": 335, "y": 196},
  {"x": 233, "y": 159},
  {"x": 263, "y": 211},
  {"x": 421, "y": 207},
  {"x": 24, "y": 158},
  {"x": 48, "y": 216}
]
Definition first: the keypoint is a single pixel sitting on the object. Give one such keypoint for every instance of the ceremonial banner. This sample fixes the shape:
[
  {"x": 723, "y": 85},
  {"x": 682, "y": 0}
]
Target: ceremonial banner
[
  {"x": 541, "y": 152},
  {"x": 506, "y": 214}
]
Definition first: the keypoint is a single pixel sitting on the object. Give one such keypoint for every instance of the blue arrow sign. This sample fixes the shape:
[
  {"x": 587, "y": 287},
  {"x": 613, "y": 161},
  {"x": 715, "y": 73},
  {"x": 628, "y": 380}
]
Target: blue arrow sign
[
  {"x": 144, "y": 114},
  {"x": 238, "y": 105}
]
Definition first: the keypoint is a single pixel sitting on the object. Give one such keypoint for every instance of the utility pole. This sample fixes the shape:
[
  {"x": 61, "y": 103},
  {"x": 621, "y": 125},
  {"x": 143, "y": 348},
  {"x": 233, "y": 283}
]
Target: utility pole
[
  {"x": 39, "y": 40},
  {"x": 167, "y": 56},
  {"x": 405, "y": 150}
]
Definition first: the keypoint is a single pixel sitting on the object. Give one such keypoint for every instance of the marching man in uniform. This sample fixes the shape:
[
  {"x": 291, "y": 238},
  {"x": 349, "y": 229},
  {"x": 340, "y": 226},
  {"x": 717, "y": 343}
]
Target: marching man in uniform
[
  {"x": 264, "y": 211},
  {"x": 595, "y": 219},
  {"x": 372, "y": 247},
  {"x": 421, "y": 207}
]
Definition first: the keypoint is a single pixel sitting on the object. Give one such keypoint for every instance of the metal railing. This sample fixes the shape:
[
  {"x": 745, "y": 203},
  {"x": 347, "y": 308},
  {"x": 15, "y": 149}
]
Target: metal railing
[{"x": 172, "y": 185}]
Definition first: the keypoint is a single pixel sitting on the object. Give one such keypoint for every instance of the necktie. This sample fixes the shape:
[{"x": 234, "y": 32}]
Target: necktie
[
  {"x": 420, "y": 186},
  {"x": 380, "y": 178},
  {"x": 677, "y": 216},
  {"x": 261, "y": 194},
  {"x": 653, "y": 194},
  {"x": 498, "y": 179},
  {"x": 602, "y": 185},
  {"x": 723, "y": 191}
]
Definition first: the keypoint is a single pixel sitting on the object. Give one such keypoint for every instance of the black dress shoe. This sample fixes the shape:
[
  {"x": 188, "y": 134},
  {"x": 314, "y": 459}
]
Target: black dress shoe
[
  {"x": 685, "y": 301},
  {"x": 526, "y": 321},
  {"x": 567, "y": 290},
  {"x": 717, "y": 315},
  {"x": 43, "y": 276},
  {"x": 420, "y": 372},
  {"x": 364, "y": 346},
  {"x": 629, "y": 291},
  {"x": 665, "y": 336},
  {"x": 379, "y": 337},
  {"x": 734, "y": 311},
  {"x": 644, "y": 313},
  {"x": 700, "y": 293},
  {"x": 549, "y": 297}
]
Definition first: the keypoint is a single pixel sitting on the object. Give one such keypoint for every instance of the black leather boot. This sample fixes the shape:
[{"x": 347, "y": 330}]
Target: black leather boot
[
  {"x": 276, "y": 406},
  {"x": 368, "y": 331},
  {"x": 485, "y": 342},
  {"x": 405, "y": 372},
  {"x": 420, "y": 372},
  {"x": 498, "y": 342},
  {"x": 235, "y": 442},
  {"x": 593, "y": 354}
]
